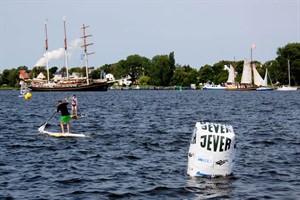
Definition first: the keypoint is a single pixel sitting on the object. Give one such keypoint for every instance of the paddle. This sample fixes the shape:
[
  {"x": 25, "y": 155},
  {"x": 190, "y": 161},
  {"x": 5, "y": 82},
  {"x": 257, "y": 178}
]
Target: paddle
[{"x": 41, "y": 129}]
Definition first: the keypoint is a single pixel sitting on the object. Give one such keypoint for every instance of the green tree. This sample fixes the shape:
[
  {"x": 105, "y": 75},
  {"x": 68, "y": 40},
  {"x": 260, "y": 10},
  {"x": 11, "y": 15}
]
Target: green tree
[
  {"x": 63, "y": 72},
  {"x": 12, "y": 77},
  {"x": 172, "y": 65},
  {"x": 220, "y": 74},
  {"x": 144, "y": 80},
  {"x": 83, "y": 71},
  {"x": 4, "y": 77},
  {"x": 53, "y": 70},
  {"x": 76, "y": 70},
  {"x": 120, "y": 69},
  {"x": 184, "y": 76},
  {"x": 36, "y": 70},
  {"x": 134, "y": 66},
  {"x": 295, "y": 74},
  {"x": 107, "y": 68},
  {"x": 272, "y": 67},
  {"x": 238, "y": 66},
  {"x": 95, "y": 74},
  {"x": 206, "y": 74},
  {"x": 113, "y": 68},
  {"x": 23, "y": 68},
  {"x": 159, "y": 71},
  {"x": 178, "y": 76},
  {"x": 289, "y": 52}
]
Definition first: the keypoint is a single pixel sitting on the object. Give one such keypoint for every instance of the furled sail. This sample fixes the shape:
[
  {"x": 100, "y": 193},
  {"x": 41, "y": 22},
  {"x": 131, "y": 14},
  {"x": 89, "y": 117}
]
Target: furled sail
[
  {"x": 246, "y": 75},
  {"x": 257, "y": 78}
]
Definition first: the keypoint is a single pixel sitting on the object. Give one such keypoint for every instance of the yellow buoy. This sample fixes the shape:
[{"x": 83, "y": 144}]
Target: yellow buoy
[{"x": 27, "y": 96}]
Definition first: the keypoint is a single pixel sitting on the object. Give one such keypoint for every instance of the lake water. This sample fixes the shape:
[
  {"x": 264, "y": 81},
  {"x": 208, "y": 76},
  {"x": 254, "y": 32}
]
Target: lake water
[{"x": 141, "y": 142}]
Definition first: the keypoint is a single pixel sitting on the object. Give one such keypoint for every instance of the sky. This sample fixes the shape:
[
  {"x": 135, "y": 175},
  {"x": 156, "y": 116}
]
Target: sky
[{"x": 199, "y": 32}]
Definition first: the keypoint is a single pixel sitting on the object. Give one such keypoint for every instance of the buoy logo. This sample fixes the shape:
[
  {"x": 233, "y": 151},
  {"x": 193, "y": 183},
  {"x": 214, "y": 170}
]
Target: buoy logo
[
  {"x": 221, "y": 162},
  {"x": 198, "y": 173},
  {"x": 204, "y": 160},
  {"x": 215, "y": 143},
  {"x": 216, "y": 128}
]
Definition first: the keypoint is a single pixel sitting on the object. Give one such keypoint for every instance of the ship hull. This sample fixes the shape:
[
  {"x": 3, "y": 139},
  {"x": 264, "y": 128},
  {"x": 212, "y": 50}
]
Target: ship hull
[
  {"x": 91, "y": 87},
  {"x": 240, "y": 89}
]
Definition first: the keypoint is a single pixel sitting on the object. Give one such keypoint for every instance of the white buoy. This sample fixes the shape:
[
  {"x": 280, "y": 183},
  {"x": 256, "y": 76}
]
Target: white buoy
[{"x": 212, "y": 150}]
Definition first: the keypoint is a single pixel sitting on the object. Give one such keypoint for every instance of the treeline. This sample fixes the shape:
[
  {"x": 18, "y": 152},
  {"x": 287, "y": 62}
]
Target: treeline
[{"x": 161, "y": 70}]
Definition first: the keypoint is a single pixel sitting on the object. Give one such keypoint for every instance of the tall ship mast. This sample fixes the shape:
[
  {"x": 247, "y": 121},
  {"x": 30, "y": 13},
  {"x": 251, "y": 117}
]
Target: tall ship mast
[
  {"x": 66, "y": 47},
  {"x": 46, "y": 51},
  {"x": 84, "y": 46}
]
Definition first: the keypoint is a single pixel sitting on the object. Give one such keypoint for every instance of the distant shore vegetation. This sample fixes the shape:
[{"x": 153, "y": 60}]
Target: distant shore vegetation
[{"x": 162, "y": 70}]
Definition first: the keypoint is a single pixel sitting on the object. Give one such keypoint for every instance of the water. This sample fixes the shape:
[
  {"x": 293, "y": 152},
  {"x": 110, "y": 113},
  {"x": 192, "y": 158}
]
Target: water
[{"x": 141, "y": 144}]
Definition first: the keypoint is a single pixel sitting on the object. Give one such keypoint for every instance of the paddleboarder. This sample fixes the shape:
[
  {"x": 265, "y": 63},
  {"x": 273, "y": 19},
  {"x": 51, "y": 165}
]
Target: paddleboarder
[
  {"x": 74, "y": 105},
  {"x": 65, "y": 115}
]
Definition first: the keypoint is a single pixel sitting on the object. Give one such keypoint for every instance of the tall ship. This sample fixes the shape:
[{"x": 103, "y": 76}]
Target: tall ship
[
  {"x": 250, "y": 80},
  {"x": 67, "y": 83}
]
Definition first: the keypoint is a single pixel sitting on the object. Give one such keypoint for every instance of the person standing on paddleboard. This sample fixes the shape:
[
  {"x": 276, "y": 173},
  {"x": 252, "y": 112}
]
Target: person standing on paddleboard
[
  {"x": 74, "y": 105},
  {"x": 65, "y": 115}
]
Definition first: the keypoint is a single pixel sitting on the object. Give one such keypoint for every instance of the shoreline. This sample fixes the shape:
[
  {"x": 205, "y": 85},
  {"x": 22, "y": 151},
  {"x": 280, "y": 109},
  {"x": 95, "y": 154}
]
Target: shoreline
[{"x": 3, "y": 88}]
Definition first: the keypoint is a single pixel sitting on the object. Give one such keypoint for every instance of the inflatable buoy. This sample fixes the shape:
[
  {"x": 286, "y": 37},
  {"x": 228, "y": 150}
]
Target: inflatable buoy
[
  {"x": 212, "y": 150},
  {"x": 27, "y": 96}
]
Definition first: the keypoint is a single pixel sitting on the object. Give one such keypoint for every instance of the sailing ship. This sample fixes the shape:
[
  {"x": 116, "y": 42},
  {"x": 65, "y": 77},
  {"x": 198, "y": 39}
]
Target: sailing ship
[
  {"x": 67, "y": 83},
  {"x": 247, "y": 82},
  {"x": 288, "y": 87},
  {"x": 264, "y": 86}
]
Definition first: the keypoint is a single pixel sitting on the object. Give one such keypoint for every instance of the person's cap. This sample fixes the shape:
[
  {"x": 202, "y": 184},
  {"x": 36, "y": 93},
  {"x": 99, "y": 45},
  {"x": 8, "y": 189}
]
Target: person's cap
[{"x": 59, "y": 101}]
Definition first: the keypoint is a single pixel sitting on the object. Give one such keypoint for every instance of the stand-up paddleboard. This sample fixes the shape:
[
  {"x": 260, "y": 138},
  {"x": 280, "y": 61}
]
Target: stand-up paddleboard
[
  {"x": 76, "y": 116},
  {"x": 55, "y": 134}
]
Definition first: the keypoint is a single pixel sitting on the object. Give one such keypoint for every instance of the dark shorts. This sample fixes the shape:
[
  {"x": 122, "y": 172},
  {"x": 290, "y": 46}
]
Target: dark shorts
[{"x": 65, "y": 119}]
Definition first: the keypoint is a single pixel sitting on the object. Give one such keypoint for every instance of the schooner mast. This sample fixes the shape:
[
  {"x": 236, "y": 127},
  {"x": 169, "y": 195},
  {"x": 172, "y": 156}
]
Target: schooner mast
[
  {"x": 85, "y": 51},
  {"x": 46, "y": 53},
  {"x": 66, "y": 47}
]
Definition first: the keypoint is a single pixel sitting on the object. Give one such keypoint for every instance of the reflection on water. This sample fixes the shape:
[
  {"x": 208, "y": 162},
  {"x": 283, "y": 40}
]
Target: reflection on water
[{"x": 205, "y": 188}]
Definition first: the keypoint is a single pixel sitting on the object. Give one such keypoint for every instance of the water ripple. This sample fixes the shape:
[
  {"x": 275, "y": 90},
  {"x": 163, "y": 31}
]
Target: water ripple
[{"x": 140, "y": 144}]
